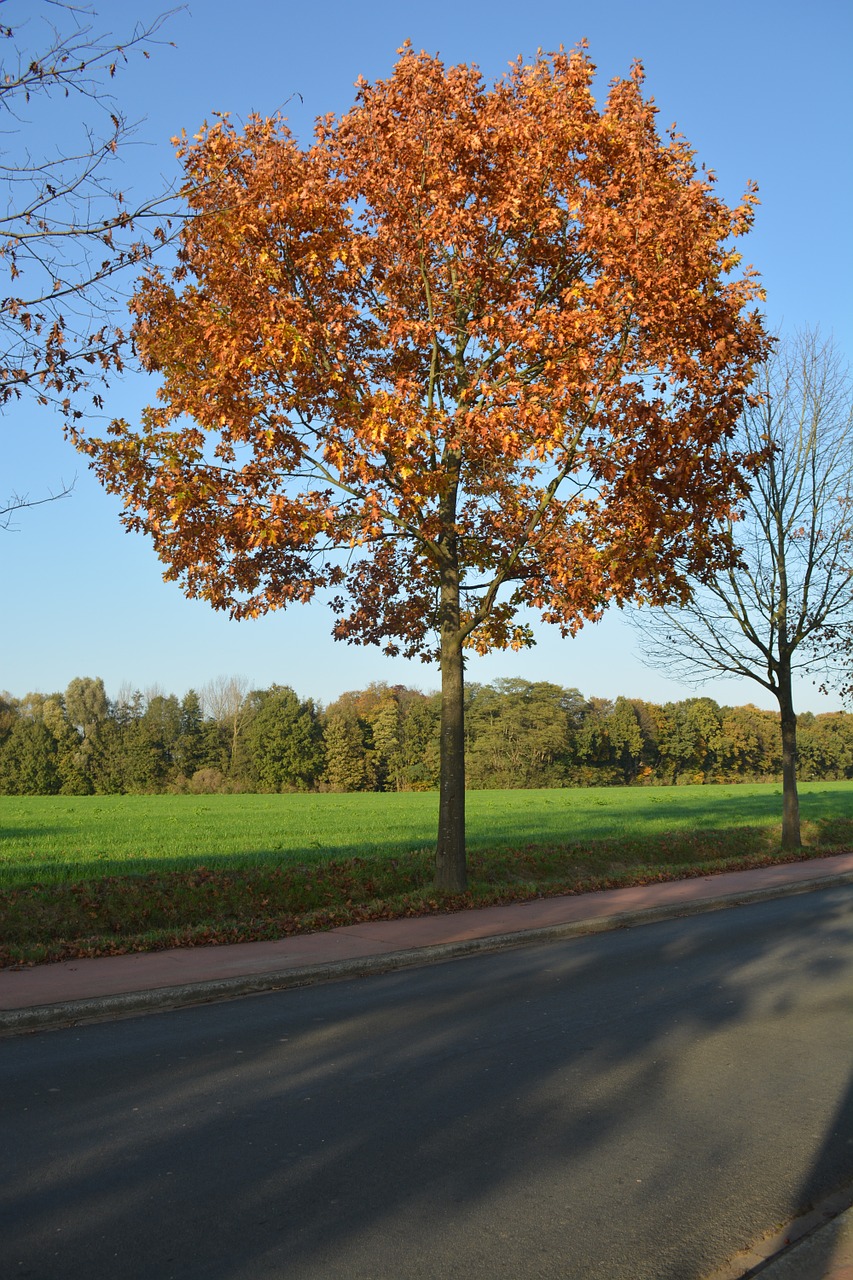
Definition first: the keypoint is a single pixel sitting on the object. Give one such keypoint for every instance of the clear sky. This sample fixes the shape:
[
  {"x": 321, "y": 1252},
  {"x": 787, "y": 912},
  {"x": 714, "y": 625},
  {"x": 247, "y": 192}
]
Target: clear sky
[{"x": 761, "y": 89}]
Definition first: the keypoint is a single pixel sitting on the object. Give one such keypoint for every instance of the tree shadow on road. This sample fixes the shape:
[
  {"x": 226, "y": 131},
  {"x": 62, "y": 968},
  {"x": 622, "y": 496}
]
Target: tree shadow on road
[{"x": 635, "y": 1106}]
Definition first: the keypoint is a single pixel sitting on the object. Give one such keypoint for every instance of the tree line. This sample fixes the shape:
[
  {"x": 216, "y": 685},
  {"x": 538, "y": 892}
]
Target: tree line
[{"x": 519, "y": 734}]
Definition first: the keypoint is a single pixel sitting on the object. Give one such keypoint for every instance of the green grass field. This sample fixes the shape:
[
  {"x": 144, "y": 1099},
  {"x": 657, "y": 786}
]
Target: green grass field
[
  {"x": 59, "y": 838},
  {"x": 100, "y": 875}
]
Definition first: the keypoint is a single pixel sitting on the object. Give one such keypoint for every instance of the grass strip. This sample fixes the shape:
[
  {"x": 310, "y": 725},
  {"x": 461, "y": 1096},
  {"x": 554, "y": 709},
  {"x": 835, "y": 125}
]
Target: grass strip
[{"x": 113, "y": 915}]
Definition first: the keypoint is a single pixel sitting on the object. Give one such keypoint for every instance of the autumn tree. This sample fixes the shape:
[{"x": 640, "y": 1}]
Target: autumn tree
[
  {"x": 67, "y": 229},
  {"x": 475, "y": 349},
  {"x": 781, "y": 605}
]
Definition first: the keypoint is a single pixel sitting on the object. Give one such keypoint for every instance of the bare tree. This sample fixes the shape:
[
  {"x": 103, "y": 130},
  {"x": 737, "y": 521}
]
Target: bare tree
[
  {"x": 67, "y": 229},
  {"x": 792, "y": 593},
  {"x": 224, "y": 699}
]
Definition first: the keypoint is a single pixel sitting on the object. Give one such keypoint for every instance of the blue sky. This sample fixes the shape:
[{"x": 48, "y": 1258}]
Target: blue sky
[{"x": 761, "y": 89}]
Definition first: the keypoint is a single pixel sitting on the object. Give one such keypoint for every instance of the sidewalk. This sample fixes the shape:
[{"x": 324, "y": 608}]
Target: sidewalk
[{"x": 82, "y": 990}]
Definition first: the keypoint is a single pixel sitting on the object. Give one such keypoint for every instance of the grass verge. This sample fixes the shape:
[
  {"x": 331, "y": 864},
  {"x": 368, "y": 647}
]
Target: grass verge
[{"x": 112, "y": 915}]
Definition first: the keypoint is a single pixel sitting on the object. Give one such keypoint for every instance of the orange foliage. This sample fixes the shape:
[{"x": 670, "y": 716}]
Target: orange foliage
[{"x": 491, "y": 325}]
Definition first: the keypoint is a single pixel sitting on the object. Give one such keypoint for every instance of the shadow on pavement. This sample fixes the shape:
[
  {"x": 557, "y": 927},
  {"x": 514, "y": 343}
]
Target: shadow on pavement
[{"x": 625, "y": 1107}]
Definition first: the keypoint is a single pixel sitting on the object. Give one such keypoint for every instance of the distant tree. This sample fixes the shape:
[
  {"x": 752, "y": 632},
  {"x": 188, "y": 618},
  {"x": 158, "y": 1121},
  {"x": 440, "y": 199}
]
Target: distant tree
[
  {"x": 768, "y": 615},
  {"x": 609, "y": 742},
  {"x": 224, "y": 700},
  {"x": 690, "y": 740},
  {"x": 517, "y": 732},
  {"x": 421, "y": 741},
  {"x": 190, "y": 748},
  {"x": 148, "y": 744},
  {"x": 28, "y": 760},
  {"x": 826, "y": 745},
  {"x": 86, "y": 704},
  {"x": 163, "y": 714},
  {"x": 473, "y": 350},
  {"x": 73, "y": 751},
  {"x": 285, "y": 741},
  {"x": 386, "y": 725},
  {"x": 8, "y": 715},
  {"x": 347, "y": 767},
  {"x": 750, "y": 746},
  {"x": 592, "y": 743},
  {"x": 647, "y": 719},
  {"x": 626, "y": 739}
]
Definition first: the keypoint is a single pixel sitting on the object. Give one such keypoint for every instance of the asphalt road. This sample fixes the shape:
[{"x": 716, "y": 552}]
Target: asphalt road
[{"x": 629, "y": 1106}]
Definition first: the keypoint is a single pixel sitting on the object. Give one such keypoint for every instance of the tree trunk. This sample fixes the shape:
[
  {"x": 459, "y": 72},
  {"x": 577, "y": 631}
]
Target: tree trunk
[
  {"x": 790, "y": 800},
  {"x": 450, "y": 870}
]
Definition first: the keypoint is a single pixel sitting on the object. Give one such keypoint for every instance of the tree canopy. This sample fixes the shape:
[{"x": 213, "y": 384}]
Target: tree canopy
[{"x": 518, "y": 734}]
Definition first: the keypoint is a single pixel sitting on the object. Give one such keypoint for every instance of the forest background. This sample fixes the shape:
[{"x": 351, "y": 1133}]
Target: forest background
[{"x": 229, "y": 738}]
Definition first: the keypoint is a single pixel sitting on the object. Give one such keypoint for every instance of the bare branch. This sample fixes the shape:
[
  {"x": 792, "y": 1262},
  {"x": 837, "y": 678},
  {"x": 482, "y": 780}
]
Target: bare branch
[
  {"x": 22, "y": 502},
  {"x": 67, "y": 233}
]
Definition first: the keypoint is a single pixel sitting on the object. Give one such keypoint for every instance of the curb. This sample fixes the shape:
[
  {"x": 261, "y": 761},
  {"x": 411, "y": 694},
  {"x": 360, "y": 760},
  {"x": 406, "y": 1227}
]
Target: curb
[
  {"x": 127, "y": 1004},
  {"x": 776, "y": 1253}
]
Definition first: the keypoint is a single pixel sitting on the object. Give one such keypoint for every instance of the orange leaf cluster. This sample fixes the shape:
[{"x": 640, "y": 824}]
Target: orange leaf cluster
[{"x": 478, "y": 344}]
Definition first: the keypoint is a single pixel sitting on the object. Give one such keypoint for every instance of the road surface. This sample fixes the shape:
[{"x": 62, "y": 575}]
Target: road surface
[{"x": 629, "y": 1106}]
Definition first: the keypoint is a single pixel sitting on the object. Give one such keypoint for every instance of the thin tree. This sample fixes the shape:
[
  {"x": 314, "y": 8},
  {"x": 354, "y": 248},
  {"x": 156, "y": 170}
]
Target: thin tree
[
  {"x": 474, "y": 350},
  {"x": 67, "y": 229},
  {"x": 783, "y": 605},
  {"x": 225, "y": 700}
]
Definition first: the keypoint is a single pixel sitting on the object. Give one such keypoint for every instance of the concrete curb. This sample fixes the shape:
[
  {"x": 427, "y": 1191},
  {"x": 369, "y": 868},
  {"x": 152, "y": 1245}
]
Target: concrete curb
[
  {"x": 127, "y": 1004},
  {"x": 783, "y": 1252}
]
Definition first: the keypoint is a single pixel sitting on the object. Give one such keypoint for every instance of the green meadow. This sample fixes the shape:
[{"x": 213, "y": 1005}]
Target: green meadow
[
  {"x": 98, "y": 875},
  {"x": 59, "y": 838}
]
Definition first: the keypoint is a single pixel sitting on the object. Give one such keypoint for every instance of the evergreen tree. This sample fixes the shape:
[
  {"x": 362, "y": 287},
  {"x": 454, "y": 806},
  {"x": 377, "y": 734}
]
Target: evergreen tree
[
  {"x": 347, "y": 767},
  {"x": 386, "y": 728},
  {"x": 421, "y": 742},
  {"x": 190, "y": 748},
  {"x": 285, "y": 741},
  {"x": 28, "y": 760}
]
